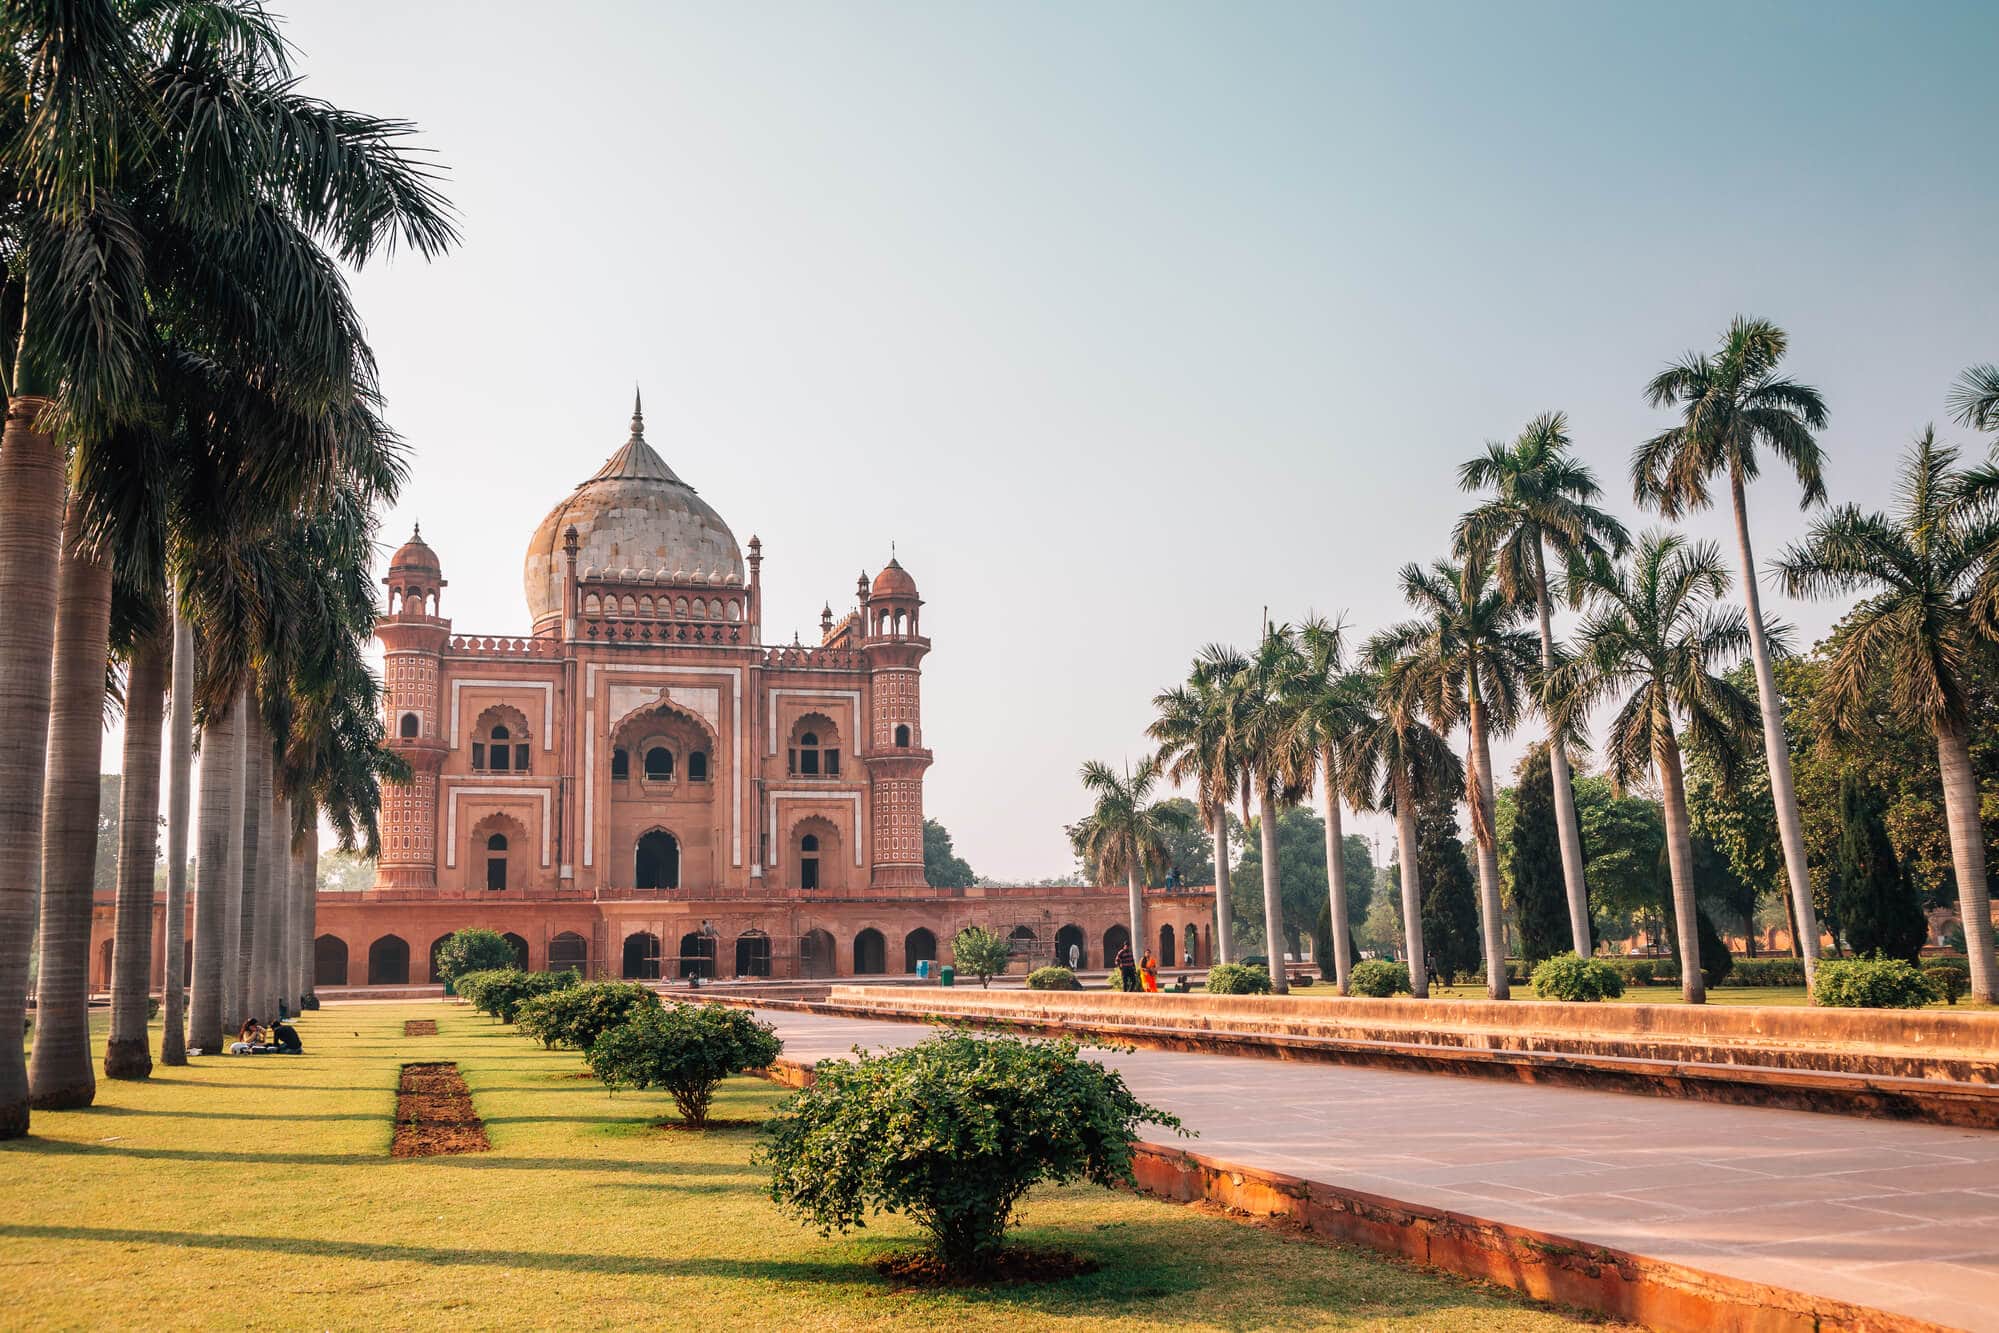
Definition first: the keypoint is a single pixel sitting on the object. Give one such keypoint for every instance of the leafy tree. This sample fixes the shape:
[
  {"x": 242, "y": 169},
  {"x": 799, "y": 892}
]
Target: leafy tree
[
  {"x": 1334, "y": 708},
  {"x": 1277, "y": 758},
  {"x": 473, "y": 949},
  {"x": 1734, "y": 407},
  {"x": 1199, "y": 740},
  {"x": 1974, "y": 399},
  {"x": 1126, "y": 831},
  {"x": 1540, "y": 904},
  {"x": 1623, "y": 837},
  {"x": 951, "y": 1133},
  {"x": 1715, "y": 960},
  {"x": 345, "y": 872},
  {"x": 576, "y": 1016},
  {"x": 1450, "y": 890},
  {"x": 980, "y": 953},
  {"x": 1877, "y": 907},
  {"x": 1301, "y": 860},
  {"x": 943, "y": 868},
  {"x": 1185, "y": 847},
  {"x": 687, "y": 1049}
]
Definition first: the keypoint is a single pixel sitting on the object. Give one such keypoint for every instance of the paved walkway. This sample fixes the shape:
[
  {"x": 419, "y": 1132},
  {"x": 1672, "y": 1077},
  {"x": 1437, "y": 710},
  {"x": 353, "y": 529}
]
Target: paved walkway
[{"x": 1897, "y": 1216}]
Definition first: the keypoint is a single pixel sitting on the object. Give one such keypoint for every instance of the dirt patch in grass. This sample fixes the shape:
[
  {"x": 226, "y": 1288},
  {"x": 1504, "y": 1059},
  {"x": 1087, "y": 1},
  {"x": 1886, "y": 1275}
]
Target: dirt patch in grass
[
  {"x": 434, "y": 1115},
  {"x": 713, "y": 1122},
  {"x": 420, "y": 1027},
  {"x": 1014, "y": 1264}
]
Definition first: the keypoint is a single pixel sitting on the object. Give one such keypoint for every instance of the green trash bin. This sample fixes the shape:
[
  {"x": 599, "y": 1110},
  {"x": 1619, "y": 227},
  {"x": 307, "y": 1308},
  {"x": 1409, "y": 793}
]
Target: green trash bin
[{"x": 947, "y": 975}]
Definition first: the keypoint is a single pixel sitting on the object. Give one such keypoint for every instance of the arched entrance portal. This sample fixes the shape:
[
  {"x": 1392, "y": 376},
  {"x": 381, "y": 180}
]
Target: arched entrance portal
[
  {"x": 1190, "y": 944},
  {"x": 389, "y": 962},
  {"x": 569, "y": 952},
  {"x": 918, "y": 946},
  {"x": 1071, "y": 937},
  {"x": 697, "y": 955},
  {"x": 753, "y": 954},
  {"x": 1117, "y": 937},
  {"x": 815, "y": 954},
  {"x": 329, "y": 961},
  {"x": 870, "y": 953},
  {"x": 1167, "y": 956},
  {"x": 520, "y": 948},
  {"x": 641, "y": 962},
  {"x": 656, "y": 864}
]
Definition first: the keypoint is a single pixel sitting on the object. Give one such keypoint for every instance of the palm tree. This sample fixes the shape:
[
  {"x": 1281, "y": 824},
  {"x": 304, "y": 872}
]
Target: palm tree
[
  {"x": 1126, "y": 831},
  {"x": 1197, "y": 741},
  {"x": 1541, "y": 499},
  {"x": 180, "y": 764},
  {"x": 1974, "y": 400},
  {"x": 1392, "y": 762},
  {"x": 1733, "y": 404},
  {"x": 1917, "y": 567},
  {"x": 128, "y": 1050},
  {"x": 1333, "y": 709},
  {"x": 1654, "y": 640},
  {"x": 1470, "y": 663},
  {"x": 1277, "y": 761}
]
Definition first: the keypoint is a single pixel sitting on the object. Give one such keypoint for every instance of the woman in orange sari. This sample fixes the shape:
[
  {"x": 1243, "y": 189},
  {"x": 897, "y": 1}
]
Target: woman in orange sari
[{"x": 1148, "y": 972}]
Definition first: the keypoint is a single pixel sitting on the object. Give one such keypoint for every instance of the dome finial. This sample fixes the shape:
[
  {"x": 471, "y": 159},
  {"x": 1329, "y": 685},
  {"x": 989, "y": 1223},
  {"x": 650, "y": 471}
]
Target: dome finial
[
  {"x": 416, "y": 532},
  {"x": 638, "y": 415}
]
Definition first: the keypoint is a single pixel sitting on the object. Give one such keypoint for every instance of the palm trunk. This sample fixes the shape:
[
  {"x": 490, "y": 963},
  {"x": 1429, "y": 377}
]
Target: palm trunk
[
  {"x": 1336, "y": 868},
  {"x": 173, "y": 1012},
  {"x": 1568, "y": 831},
  {"x": 278, "y": 846},
  {"x": 1273, "y": 899},
  {"x": 1491, "y": 911},
  {"x": 128, "y": 1052},
  {"x": 208, "y": 1009},
  {"x": 309, "y": 929},
  {"x": 1137, "y": 906},
  {"x": 1412, "y": 884},
  {"x": 1776, "y": 749},
  {"x": 1967, "y": 854},
  {"x": 1680, "y": 860},
  {"x": 60, "y": 1073},
  {"x": 293, "y": 979},
  {"x": 232, "y": 889},
  {"x": 256, "y": 757},
  {"x": 31, "y": 505},
  {"x": 1224, "y": 936}
]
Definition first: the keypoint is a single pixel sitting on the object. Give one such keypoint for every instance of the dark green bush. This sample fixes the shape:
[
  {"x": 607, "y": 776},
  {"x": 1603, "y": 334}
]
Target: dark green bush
[
  {"x": 951, "y": 1133},
  {"x": 473, "y": 950},
  {"x": 1767, "y": 972},
  {"x": 1053, "y": 978},
  {"x": 576, "y": 1016},
  {"x": 1116, "y": 979},
  {"x": 1569, "y": 976},
  {"x": 1236, "y": 979},
  {"x": 1950, "y": 983},
  {"x": 1871, "y": 983},
  {"x": 501, "y": 991},
  {"x": 1378, "y": 978},
  {"x": 470, "y": 985},
  {"x": 686, "y": 1049}
]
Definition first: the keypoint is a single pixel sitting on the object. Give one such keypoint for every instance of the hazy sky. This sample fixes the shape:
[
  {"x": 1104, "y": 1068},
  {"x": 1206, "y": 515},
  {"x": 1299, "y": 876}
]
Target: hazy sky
[{"x": 1126, "y": 320}]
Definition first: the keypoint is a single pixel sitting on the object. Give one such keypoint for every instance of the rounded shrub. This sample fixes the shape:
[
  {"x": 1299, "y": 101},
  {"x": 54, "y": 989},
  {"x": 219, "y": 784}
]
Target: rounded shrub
[
  {"x": 1378, "y": 978},
  {"x": 685, "y": 1049},
  {"x": 576, "y": 1016},
  {"x": 1767, "y": 972},
  {"x": 471, "y": 985},
  {"x": 977, "y": 952},
  {"x": 1871, "y": 983},
  {"x": 473, "y": 949},
  {"x": 1053, "y": 978},
  {"x": 1236, "y": 979},
  {"x": 951, "y": 1133},
  {"x": 501, "y": 991},
  {"x": 1570, "y": 976},
  {"x": 1950, "y": 983}
]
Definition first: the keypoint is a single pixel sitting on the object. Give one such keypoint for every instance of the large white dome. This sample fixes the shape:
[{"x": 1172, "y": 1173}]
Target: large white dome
[{"x": 633, "y": 514}]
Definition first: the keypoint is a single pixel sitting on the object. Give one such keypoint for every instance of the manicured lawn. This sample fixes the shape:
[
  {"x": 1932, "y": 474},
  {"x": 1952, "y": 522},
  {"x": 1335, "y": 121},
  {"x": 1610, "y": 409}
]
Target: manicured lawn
[{"x": 259, "y": 1191}]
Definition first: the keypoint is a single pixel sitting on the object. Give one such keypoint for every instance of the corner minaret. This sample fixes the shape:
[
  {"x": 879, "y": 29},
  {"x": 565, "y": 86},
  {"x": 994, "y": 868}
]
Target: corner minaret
[
  {"x": 413, "y": 635},
  {"x": 894, "y": 648}
]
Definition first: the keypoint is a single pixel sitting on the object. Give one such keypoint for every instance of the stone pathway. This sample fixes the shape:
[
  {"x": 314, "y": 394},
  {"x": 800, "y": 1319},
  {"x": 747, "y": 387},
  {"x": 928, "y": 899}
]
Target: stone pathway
[{"x": 1901, "y": 1217}]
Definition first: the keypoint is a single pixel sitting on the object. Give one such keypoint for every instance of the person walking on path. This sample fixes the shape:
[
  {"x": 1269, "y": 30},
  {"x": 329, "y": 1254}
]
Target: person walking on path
[
  {"x": 1148, "y": 971},
  {"x": 1127, "y": 971}
]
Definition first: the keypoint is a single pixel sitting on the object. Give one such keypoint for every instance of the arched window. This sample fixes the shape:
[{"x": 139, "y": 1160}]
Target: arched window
[
  {"x": 697, "y": 766},
  {"x": 500, "y": 743},
  {"x": 409, "y": 726},
  {"x": 808, "y": 754},
  {"x": 902, "y": 736},
  {"x": 815, "y": 748},
  {"x": 621, "y": 765},
  {"x": 659, "y": 764},
  {"x": 657, "y": 861},
  {"x": 496, "y": 861},
  {"x": 808, "y": 862}
]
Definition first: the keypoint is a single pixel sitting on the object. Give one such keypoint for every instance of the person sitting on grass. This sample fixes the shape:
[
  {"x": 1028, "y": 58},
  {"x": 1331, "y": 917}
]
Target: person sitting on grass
[
  {"x": 248, "y": 1038},
  {"x": 284, "y": 1039}
]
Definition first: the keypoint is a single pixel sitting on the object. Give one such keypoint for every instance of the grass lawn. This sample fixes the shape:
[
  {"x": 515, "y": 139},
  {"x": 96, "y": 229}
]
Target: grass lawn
[{"x": 259, "y": 1191}]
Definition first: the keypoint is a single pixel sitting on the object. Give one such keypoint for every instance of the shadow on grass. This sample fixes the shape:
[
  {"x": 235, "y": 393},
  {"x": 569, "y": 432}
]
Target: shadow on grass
[{"x": 482, "y": 1162}]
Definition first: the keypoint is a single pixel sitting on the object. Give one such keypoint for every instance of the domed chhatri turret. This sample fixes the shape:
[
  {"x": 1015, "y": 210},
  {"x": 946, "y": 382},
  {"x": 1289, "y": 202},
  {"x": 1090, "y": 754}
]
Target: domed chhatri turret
[
  {"x": 415, "y": 578},
  {"x": 415, "y": 556},
  {"x": 634, "y": 513},
  {"x": 894, "y": 581}
]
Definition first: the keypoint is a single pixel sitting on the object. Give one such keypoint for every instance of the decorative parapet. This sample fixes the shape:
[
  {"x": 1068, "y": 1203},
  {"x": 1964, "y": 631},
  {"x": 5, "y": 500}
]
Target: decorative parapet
[
  {"x": 476, "y": 645},
  {"x": 661, "y": 631},
  {"x": 796, "y": 658}
]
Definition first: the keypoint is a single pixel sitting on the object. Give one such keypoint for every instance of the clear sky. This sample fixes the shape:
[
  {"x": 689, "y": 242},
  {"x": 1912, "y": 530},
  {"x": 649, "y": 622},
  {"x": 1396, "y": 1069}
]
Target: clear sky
[{"x": 1123, "y": 321}]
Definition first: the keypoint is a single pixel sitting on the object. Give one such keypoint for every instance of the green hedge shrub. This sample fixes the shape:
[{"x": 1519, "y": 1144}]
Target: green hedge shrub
[
  {"x": 576, "y": 1016},
  {"x": 1871, "y": 983},
  {"x": 501, "y": 991},
  {"x": 470, "y": 985},
  {"x": 473, "y": 949},
  {"x": 977, "y": 952},
  {"x": 1950, "y": 983},
  {"x": 1767, "y": 972},
  {"x": 687, "y": 1049},
  {"x": 1053, "y": 978},
  {"x": 1235, "y": 979},
  {"x": 951, "y": 1133},
  {"x": 1378, "y": 978},
  {"x": 1569, "y": 976},
  {"x": 1115, "y": 980}
]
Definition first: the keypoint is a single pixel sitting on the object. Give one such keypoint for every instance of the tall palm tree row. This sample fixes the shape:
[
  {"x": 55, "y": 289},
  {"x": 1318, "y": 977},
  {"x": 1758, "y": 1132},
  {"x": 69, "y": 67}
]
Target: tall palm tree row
[
  {"x": 165, "y": 149},
  {"x": 1333, "y": 709},
  {"x": 1734, "y": 406},
  {"x": 1654, "y": 644},
  {"x": 1126, "y": 831},
  {"x": 1917, "y": 567},
  {"x": 1277, "y": 761},
  {"x": 1198, "y": 741},
  {"x": 1542, "y": 499}
]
